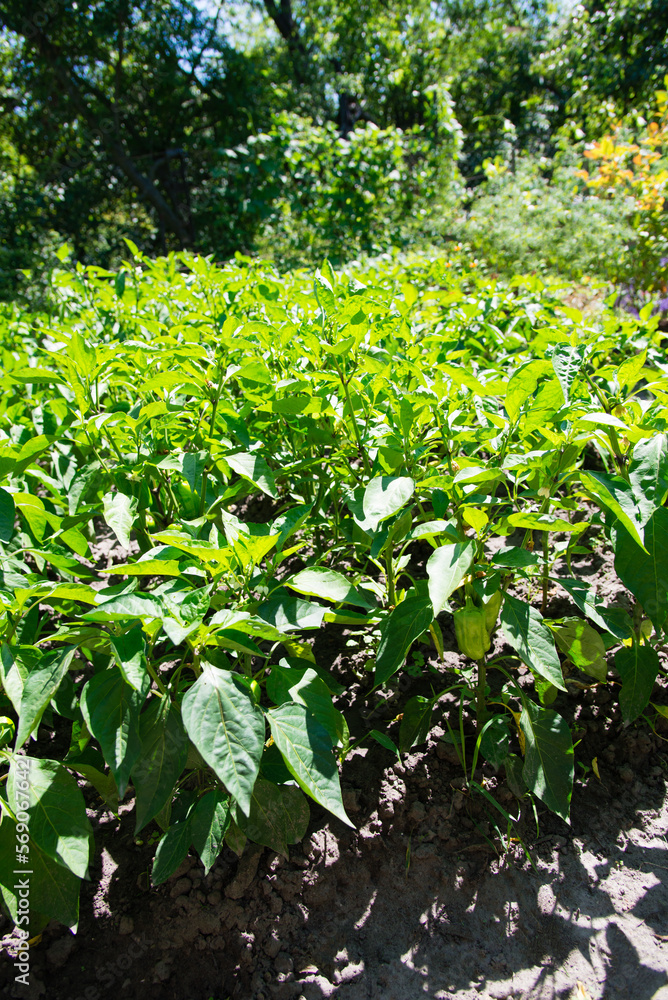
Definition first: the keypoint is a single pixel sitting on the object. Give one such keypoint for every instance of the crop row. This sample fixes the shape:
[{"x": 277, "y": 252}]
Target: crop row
[{"x": 426, "y": 442}]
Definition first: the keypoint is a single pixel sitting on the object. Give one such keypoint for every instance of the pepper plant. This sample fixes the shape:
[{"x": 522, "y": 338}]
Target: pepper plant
[{"x": 201, "y": 467}]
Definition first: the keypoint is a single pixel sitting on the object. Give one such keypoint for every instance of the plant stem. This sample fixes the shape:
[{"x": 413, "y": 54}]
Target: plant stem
[
  {"x": 481, "y": 713},
  {"x": 546, "y": 567},
  {"x": 360, "y": 447},
  {"x": 389, "y": 574}
]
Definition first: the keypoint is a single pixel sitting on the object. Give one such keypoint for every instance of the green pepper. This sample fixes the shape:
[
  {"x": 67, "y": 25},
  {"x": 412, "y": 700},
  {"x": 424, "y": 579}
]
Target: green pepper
[
  {"x": 492, "y": 608},
  {"x": 472, "y": 635}
]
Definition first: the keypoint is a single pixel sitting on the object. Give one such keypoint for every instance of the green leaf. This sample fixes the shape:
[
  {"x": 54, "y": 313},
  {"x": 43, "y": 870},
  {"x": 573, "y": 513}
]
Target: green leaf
[
  {"x": 523, "y": 384},
  {"x": 230, "y": 638},
  {"x": 548, "y": 759},
  {"x": 279, "y": 815},
  {"x": 324, "y": 293},
  {"x": 648, "y": 474},
  {"x": 329, "y": 585},
  {"x": 120, "y": 512},
  {"x": 495, "y": 741},
  {"x": 227, "y": 728},
  {"x": 235, "y": 839},
  {"x": 416, "y": 722},
  {"x": 7, "y": 515},
  {"x": 145, "y": 567},
  {"x": 161, "y": 760},
  {"x": 307, "y": 751},
  {"x": 13, "y": 674},
  {"x": 614, "y": 494},
  {"x": 341, "y": 347},
  {"x": 514, "y": 558},
  {"x": 384, "y": 741},
  {"x": 522, "y": 627},
  {"x": 54, "y": 890},
  {"x": 305, "y": 687},
  {"x": 171, "y": 851},
  {"x": 613, "y": 620},
  {"x": 383, "y": 497},
  {"x": 645, "y": 571},
  {"x": 57, "y": 822},
  {"x": 130, "y": 655},
  {"x": 255, "y": 470},
  {"x": 542, "y": 522},
  {"x": 124, "y": 607},
  {"x": 583, "y": 646},
  {"x": 39, "y": 688},
  {"x": 446, "y": 568},
  {"x": 288, "y": 523},
  {"x": 37, "y": 376},
  {"x": 401, "y": 628},
  {"x": 629, "y": 371},
  {"x": 288, "y": 613},
  {"x": 103, "y": 784},
  {"x": 209, "y": 822},
  {"x": 638, "y": 666},
  {"x": 111, "y": 710},
  {"x": 567, "y": 362}
]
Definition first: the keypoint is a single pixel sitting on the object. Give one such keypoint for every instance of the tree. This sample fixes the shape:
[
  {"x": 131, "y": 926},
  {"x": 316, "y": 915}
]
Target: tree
[
  {"x": 606, "y": 51},
  {"x": 119, "y": 105}
]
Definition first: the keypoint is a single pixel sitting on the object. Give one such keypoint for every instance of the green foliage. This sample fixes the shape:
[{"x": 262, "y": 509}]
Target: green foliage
[
  {"x": 606, "y": 58},
  {"x": 148, "y": 411},
  {"x": 307, "y": 192},
  {"x": 540, "y": 219}
]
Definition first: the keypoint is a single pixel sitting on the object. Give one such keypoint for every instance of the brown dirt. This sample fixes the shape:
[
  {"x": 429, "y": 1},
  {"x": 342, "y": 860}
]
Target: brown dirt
[{"x": 422, "y": 900}]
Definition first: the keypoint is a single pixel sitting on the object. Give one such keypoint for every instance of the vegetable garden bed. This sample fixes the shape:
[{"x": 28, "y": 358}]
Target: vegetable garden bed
[{"x": 371, "y": 564}]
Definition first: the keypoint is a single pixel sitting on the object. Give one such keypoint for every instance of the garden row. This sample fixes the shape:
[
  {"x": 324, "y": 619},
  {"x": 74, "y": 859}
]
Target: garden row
[{"x": 428, "y": 441}]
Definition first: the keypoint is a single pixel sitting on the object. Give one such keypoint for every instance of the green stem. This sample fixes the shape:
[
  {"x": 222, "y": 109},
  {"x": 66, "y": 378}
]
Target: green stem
[
  {"x": 481, "y": 712},
  {"x": 389, "y": 574},
  {"x": 360, "y": 447},
  {"x": 212, "y": 427},
  {"x": 546, "y": 567},
  {"x": 154, "y": 675}
]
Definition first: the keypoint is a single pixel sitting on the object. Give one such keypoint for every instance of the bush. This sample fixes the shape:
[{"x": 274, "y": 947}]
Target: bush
[
  {"x": 540, "y": 218},
  {"x": 299, "y": 191}
]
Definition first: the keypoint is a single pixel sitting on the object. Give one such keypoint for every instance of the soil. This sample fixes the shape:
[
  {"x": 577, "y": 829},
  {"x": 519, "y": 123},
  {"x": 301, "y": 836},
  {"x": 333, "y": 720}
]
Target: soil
[{"x": 425, "y": 898}]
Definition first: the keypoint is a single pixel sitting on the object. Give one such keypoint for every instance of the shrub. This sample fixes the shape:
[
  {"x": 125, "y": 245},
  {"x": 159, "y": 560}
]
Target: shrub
[{"x": 539, "y": 218}]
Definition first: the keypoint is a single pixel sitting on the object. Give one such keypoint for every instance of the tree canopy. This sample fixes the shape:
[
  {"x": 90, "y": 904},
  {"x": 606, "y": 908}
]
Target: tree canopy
[{"x": 165, "y": 120}]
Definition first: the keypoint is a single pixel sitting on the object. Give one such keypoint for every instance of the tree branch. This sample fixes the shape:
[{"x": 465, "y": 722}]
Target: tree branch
[{"x": 289, "y": 31}]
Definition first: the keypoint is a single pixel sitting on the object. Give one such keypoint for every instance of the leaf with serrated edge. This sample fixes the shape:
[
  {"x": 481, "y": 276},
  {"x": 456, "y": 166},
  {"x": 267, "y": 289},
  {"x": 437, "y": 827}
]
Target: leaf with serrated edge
[{"x": 307, "y": 751}]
